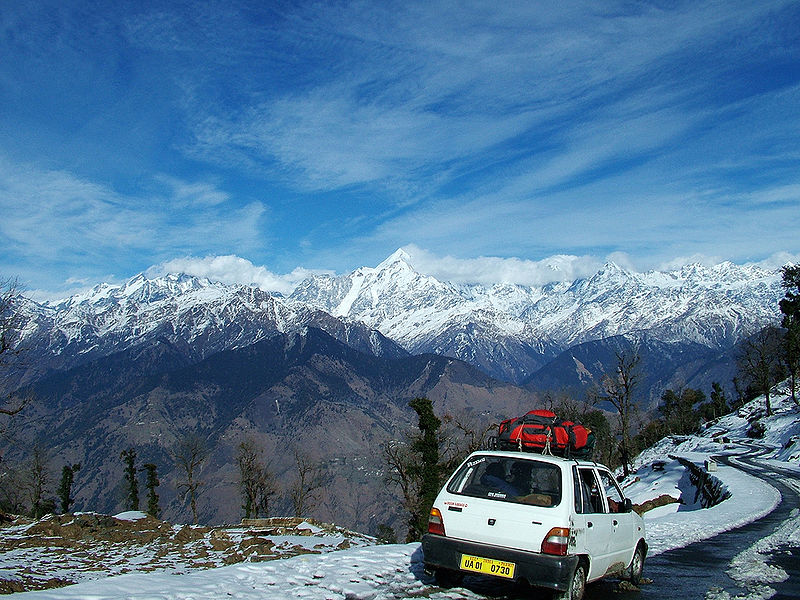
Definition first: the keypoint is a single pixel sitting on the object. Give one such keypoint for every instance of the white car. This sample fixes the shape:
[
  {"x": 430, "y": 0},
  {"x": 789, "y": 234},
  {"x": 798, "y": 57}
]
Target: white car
[{"x": 552, "y": 522}]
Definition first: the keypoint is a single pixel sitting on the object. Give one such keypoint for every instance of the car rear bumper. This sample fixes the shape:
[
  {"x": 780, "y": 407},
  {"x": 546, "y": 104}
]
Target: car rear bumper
[{"x": 540, "y": 570}]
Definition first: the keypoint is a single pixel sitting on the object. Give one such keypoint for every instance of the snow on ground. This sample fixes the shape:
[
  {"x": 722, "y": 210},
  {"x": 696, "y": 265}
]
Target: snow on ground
[
  {"x": 750, "y": 567},
  {"x": 679, "y": 524},
  {"x": 372, "y": 573},
  {"x": 62, "y": 549},
  {"x": 396, "y": 571}
]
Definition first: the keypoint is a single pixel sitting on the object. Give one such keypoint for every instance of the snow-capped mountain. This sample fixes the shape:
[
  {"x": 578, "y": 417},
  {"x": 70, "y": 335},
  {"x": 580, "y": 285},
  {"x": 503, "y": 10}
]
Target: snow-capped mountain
[
  {"x": 196, "y": 316},
  {"x": 511, "y": 330}
]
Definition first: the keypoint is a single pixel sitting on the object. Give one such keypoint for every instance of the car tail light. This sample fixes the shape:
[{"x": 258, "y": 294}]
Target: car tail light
[
  {"x": 556, "y": 541},
  {"x": 435, "y": 522}
]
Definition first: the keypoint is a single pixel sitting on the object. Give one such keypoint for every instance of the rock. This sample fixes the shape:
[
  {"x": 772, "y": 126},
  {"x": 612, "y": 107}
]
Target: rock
[{"x": 188, "y": 534}]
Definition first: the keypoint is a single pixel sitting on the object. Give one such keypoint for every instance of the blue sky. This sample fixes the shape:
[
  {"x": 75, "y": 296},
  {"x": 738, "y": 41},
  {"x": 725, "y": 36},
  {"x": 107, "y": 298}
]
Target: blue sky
[{"x": 491, "y": 140}]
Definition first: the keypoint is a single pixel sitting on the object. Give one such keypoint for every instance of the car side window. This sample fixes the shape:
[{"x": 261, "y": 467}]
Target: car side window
[
  {"x": 588, "y": 488},
  {"x": 614, "y": 495},
  {"x": 577, "y": 491}
]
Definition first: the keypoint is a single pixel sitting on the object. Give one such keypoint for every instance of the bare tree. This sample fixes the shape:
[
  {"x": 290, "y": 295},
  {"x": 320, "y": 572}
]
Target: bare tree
[
  {"x": 257, "y": 481},
  {"x": 39, "y": 480},
  {"x": 760, "y": 362},
  {"x": 189, "y": 453},
  {"x": 619, "y": 388},
  {"x": 13, "y": 489},
  {"x": 399, "y": 458},
  {"x": 9, "y": 317},
  {"x": 563, "y": 404},
  {"x": 304, "y": 492},
  {"x": 459, "y": 436}
]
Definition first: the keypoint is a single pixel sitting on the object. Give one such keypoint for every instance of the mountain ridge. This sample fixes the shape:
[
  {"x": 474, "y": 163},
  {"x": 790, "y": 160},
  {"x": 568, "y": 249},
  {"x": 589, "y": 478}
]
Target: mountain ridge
[
  {"x": 713, "y": 306},
  {"x": 136, "y": 364},
  {"x": 508, "y": 330},
  {"x": 302, "y": 391}
]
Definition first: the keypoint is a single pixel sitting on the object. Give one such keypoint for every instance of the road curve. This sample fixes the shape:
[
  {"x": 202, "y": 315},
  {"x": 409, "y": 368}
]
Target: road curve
[{"x": 701, "y": 570}]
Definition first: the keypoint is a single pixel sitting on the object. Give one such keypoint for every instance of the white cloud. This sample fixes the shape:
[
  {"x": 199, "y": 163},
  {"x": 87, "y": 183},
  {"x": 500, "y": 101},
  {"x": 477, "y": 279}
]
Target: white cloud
[
  {"x": 681, "y": 261},
  {"x": 197, "y": 193},
  {"x": 49, "y": 214},
  {"x": 490, "y": 270},
  {"x": 484, "y": 270},
  {"x": 778, "y": 260},
  {"x": 622, "y": 259},
  {"x": 232, "y": 269}
]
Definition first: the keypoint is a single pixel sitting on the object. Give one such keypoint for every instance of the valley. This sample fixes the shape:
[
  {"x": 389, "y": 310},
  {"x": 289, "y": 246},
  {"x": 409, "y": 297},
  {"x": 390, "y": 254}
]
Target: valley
[{"x": 327, "y": 372}]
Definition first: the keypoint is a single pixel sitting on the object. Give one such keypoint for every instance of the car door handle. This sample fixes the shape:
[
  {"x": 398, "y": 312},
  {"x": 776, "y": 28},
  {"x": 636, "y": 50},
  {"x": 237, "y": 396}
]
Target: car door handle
[
  {"x": 590, "y": 524},
  {"x": 615, "y": 522}
]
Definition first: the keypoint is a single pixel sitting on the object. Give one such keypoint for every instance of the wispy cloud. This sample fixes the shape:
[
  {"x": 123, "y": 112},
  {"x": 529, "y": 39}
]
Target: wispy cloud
[
  {"x": 330, "y": 134},
  {"x": 53, "y": 218},
  {"x": 420, "y": 89},
  {"x": 328, "y": 140}
]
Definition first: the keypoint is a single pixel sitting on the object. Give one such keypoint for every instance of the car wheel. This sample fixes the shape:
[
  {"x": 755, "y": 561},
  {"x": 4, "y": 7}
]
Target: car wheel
[
  {"x": 637, "y": 566},
  {"x": 448, "y": 578},
  {"x": 577, "y": 585}
]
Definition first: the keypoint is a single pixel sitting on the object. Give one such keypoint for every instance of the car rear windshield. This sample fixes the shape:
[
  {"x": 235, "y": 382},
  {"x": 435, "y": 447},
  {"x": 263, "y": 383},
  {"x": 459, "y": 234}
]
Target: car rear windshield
[{"x": 520, "y": 480}]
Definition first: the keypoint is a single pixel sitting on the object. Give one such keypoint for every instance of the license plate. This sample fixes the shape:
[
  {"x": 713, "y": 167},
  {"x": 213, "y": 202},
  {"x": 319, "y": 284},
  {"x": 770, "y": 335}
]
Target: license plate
[{"x": 487, "y": 566}]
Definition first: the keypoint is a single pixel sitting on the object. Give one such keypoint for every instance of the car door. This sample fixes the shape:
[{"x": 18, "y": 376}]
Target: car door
[
  {"x": 592, "y": 517},
  {"x": 624, "y": 536}
]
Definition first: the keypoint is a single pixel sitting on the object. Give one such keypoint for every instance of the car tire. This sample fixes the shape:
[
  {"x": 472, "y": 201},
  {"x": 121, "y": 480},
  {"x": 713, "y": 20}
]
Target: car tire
[
  {"x": 577, "y": 585},
  {"x": 636, "y": 567},
  {"x": 448, "y": 578}
]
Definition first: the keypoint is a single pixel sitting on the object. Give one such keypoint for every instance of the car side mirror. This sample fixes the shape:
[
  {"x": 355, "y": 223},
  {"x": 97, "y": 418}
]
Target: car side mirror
[{"x": 627, "y": 505}]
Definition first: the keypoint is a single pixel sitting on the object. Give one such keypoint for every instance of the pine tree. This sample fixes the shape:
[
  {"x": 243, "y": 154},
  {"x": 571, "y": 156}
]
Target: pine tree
[
  {"x": 417, "y": 463},
  {"x": 65, "y": 487},
  {"x": 790, "y": 307},
  {"x": 678, "y": 410},
  {"x": 719, "y": 401},
  {"x": 151, "y": 483},
  {"x": 132, "y": 497},
  {"x": 427, "y": 469},
  {"x": 247, "y": 461}
]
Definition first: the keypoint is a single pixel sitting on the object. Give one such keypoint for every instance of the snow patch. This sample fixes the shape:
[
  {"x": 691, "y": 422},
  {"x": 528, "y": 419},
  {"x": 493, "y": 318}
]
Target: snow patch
[{"x": 131, "y": 515}]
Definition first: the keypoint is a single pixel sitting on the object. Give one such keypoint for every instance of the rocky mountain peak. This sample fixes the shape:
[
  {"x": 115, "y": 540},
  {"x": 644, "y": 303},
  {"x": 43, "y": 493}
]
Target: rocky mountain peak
[{"x": 399, "y": 258}]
